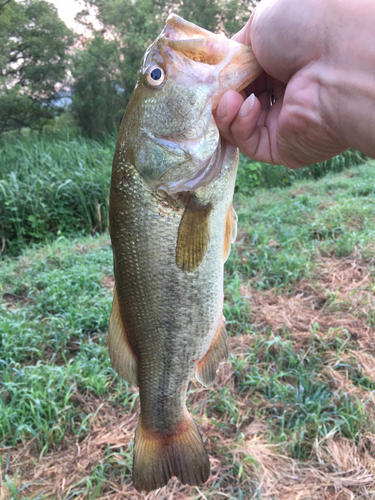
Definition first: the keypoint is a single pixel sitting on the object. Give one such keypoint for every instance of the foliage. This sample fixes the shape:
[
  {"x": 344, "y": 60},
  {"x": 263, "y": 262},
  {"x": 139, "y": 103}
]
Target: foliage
[
  {"x": 249, "y": 175},
  {"x": 51, "y": 187},
  {"x": 33, "y": 59},
  {"x": 106, "y": 68},
  {"x": 213, "y": 15},
  {"x": 98, "y": 103},
  {"x": 255, "y": 174}
]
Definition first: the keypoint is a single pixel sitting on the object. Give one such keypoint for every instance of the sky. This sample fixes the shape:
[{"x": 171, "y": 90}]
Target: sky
[{"x": 67, "y": 10}]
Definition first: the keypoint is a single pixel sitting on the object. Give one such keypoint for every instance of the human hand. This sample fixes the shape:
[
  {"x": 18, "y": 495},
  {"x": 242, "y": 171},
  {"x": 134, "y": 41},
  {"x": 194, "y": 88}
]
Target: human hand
[{"x": 310, "y": 102}]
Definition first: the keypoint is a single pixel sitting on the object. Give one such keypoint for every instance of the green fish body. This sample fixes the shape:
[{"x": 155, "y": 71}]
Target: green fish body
[{"x": 172, "y": 223}]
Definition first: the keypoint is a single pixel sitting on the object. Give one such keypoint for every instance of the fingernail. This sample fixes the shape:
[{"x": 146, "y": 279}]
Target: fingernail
[
  {"x": 222, "y": 108},
  {"x": 247, "y": 106}
]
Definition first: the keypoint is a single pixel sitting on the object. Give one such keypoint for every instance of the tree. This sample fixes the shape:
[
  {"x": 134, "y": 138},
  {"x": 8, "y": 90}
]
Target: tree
[
  {"x": 105, "y": 70},
  {"x": 97, "y": 101},
  {"x": 33, "y": 59},
  {"x": 103, "y": 86}
]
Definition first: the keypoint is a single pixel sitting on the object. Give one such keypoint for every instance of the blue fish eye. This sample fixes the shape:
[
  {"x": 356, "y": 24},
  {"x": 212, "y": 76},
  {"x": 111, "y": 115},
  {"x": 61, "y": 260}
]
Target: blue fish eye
[{"x": 156, "y": 74}]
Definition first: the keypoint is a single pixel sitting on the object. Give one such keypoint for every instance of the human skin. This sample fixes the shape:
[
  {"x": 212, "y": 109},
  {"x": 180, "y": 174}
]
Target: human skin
[{"x": 318, "y": 58}]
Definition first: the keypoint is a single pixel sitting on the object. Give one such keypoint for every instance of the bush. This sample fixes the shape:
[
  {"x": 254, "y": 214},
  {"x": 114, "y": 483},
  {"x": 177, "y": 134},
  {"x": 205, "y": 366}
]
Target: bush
[{"x": 252, "y": 175}]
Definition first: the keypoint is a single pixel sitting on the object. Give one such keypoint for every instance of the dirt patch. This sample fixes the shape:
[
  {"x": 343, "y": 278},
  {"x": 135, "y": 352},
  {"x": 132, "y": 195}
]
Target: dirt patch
[
  {"x": 340, "y": 468},
  {"x": 12, "y": 301},
  {"x": 109, "y": 282},
  {"x": 337, "y": 300},
  {"x": 345, "y": 275}
]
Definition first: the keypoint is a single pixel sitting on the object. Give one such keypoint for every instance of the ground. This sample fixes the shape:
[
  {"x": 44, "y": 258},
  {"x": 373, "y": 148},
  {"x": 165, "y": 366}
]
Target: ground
[{"x": 290, "y": 416}]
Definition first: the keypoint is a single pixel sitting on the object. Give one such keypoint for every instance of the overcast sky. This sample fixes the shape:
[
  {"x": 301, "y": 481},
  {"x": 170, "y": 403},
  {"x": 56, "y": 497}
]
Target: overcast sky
[{"x": 67, "y": 11}]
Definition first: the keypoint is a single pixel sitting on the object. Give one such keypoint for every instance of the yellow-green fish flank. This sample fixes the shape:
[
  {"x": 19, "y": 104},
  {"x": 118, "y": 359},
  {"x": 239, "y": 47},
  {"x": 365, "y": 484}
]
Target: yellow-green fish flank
[{"x": 172, "y": 223}]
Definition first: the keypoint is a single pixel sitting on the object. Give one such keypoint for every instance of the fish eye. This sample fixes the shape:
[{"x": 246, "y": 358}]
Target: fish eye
[{"x": 155, "y": 76}]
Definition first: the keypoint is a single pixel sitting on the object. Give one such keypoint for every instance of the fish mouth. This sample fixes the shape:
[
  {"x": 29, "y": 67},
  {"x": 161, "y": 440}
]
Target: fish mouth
[{"x": 226, "y": 63}]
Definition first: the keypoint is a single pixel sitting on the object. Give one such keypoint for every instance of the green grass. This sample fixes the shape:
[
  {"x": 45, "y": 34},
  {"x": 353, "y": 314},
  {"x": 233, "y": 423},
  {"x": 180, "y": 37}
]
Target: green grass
[
  {"x": 300, "y": 405},
  {"x": 281, "y": 230},
  {"x": 52, "y": 338},
  {"x": 57, "y": 185},
  {"x": 54, "y": 319},
  {"x": 52, "y": 187},
  {"x": 252, "y": 175}
]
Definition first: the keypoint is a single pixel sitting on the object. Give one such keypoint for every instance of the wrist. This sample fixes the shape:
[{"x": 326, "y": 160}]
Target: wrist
[{"x": 347, "y": 75}]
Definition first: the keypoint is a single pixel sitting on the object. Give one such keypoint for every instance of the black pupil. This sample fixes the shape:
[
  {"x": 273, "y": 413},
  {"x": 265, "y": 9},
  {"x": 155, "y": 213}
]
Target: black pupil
[{"x": 156, "y": 74}]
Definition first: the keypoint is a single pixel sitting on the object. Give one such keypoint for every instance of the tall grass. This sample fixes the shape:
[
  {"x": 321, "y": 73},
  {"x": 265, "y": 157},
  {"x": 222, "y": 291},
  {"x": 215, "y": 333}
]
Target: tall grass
[{"x": 51, "y": 187}]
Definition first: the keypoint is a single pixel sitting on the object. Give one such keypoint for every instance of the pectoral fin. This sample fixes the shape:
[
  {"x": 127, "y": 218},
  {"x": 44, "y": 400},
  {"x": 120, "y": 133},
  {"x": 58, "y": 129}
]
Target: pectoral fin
[
  {"x": 193, "y": 235},
  {"x": 207, "y": 367},
  {"x": 230, "y": 231},
  {"x": 122, "y": 357}
]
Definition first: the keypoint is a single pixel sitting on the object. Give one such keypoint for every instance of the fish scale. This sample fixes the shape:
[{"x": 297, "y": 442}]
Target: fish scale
[
  {"x": 172, "y": 223},
  {"x": 159, "y": 301}
]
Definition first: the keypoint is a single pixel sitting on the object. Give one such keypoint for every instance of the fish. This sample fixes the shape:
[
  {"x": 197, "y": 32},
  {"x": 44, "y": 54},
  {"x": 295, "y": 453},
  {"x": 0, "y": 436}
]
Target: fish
[{"x": 172, "y": 223}]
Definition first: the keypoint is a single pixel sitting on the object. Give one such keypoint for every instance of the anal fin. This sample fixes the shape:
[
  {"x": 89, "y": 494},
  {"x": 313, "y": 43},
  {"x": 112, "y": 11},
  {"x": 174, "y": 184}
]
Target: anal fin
[
  {"x": 122, "y": 357},
  {"x": 207, "y": 367},
  {"x": 230, "y": 231},
  {"x": 193, "y": 235}
]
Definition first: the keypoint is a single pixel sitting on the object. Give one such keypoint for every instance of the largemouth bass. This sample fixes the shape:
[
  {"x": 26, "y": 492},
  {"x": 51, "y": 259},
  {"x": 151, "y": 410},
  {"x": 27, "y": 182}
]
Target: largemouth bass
[{"x": 172, "y": 224}]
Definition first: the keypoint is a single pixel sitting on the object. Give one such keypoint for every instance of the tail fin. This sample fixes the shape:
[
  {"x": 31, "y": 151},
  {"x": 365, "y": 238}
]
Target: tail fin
[{"x": 177, "y": 452}]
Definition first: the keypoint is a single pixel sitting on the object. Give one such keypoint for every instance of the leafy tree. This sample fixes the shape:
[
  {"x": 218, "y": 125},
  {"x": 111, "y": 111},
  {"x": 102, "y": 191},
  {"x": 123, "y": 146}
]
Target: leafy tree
[
  {"x": 227, "y": 16},
  {"x": 105, "y": 70},
  {"x": 104, "y": 84},
  {"x": 98, "y": 104},
  {"x": 33, "y": 59}
]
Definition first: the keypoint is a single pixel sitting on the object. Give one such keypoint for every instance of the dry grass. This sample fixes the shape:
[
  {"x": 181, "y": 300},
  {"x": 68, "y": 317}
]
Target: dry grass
[
  {"x": 337, "y": 301},
  {"x": 338, "y": 469}
]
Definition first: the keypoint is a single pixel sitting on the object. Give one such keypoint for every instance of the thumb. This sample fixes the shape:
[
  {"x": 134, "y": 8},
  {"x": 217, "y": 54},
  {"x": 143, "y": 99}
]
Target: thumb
[{"x": 243, "y": 36}]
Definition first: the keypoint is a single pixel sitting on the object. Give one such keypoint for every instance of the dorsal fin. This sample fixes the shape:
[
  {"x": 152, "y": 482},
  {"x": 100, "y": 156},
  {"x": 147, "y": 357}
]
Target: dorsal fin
[{"x": 230, "y": 231}]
